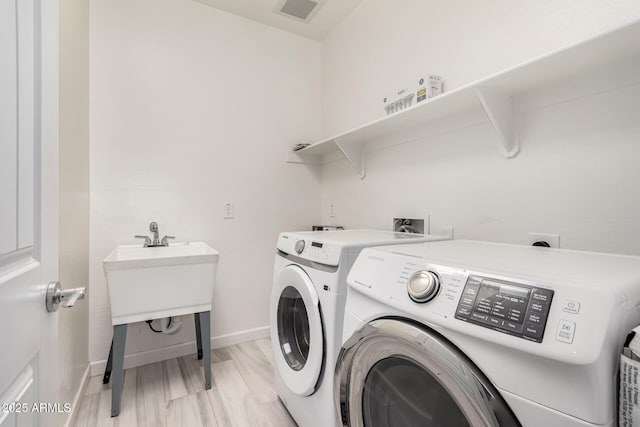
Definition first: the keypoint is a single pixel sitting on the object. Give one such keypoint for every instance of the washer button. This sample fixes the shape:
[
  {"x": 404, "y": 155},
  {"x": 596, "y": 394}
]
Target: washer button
[
  {"x": 494, "y": 321},
  {"x": 512, "y": 326},
  {"x": 464, "y": 310},
  {"x": 532, "y": 330},
  {"x": 571, "y": 306},
  {"x": 566, "y": 331},
  {"x": 467, "y": 300},
  {"x": 534, "y": 318},
  {"x": 471, "y": 291},
  {"x": 480, "y": 317},
  {"x": 542, "y": 296}
]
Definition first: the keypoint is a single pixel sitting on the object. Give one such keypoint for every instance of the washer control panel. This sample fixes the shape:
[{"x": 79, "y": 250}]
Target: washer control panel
[
  {"x": 508, "y": 307},
  {"x": 313, "y": 250}
]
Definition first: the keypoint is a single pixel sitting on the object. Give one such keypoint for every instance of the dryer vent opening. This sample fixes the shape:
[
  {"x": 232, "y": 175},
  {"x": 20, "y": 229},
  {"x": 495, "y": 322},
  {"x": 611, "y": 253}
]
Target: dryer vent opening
[{"x": 299, "y": 9}]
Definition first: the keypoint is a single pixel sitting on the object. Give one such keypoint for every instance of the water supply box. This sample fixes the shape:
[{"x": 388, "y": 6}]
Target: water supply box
[{"x": 413, "y": 93}]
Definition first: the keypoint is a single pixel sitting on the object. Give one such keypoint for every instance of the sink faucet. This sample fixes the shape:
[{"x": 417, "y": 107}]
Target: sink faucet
[
  {"x": 148, "y": 243},
  {"x": 153, "y": 227}
]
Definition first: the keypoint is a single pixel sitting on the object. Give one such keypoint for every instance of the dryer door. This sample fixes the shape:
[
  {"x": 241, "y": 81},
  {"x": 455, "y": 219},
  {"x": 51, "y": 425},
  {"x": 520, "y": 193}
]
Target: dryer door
[
  {"x": 297, "y": 334},
  {"x": 392, "y": 373}
]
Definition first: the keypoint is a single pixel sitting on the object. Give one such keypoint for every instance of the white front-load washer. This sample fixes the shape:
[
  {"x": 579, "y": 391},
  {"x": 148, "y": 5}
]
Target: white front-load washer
[
  {"x": 307, "y": 310},
  {"x": 465, "y": 333}
]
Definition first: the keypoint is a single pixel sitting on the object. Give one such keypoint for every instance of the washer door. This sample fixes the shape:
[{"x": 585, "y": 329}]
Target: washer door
[
  {"x": 392, "y": 373},
  {"x": 297, "y": 334}
]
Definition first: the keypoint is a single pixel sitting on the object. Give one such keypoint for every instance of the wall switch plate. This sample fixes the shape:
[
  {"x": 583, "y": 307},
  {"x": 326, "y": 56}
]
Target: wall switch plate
[
  {"x": 228, "y": 210},
  {"x": 552, "y": 239},
  {"x": 332, "y": 211}
]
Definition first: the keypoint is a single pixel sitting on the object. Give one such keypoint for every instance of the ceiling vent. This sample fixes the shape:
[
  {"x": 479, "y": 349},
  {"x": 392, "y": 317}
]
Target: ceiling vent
[{"x": 301, "y": 10}]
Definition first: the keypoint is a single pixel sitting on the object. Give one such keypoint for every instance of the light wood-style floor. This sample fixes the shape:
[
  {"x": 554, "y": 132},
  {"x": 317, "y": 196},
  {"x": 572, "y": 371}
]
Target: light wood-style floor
[{"x": 171, "y": 393}]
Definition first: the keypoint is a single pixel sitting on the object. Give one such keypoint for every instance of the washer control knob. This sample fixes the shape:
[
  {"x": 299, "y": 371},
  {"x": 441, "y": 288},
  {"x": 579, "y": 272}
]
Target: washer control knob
[
  {"x": 300, "y": 246},
  {"x": 423, "y": 286}
]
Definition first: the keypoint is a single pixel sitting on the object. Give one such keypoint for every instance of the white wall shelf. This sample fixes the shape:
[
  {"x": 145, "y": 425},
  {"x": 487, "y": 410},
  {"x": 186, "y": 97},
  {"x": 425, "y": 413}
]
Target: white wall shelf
[{"x": 494, "y": 94}]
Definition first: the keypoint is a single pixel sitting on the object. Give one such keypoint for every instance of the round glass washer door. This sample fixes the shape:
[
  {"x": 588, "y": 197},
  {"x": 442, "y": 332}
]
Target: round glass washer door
[
  {"x": 395, "y": 373},
  {"x": 400, "y": 393},
  {"x": 297, "y": 336}
]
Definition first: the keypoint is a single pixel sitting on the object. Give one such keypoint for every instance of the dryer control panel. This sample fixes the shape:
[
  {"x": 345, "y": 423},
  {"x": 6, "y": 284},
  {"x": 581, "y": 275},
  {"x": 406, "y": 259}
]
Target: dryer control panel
[
  {"x": 508, "y": 307},
  {"x": 313, "y": 250}
]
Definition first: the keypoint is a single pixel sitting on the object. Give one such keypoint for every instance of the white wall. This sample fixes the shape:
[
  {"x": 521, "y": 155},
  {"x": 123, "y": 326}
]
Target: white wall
[
  {"x": 192, "y": 107},
  {"x": 73, "y": 342},
  {"x": 384, "y": 44},
  {"x": 577, "y": 170}
]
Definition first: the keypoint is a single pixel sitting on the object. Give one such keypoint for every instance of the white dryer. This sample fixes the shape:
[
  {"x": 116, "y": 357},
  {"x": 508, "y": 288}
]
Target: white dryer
[
  {"x": 307, "y": 310},
  {"x": 466, "y": 333}
]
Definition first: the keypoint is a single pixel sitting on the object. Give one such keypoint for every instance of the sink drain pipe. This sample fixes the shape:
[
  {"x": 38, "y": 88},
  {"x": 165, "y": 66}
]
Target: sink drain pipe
[{"x": 168, "y": 325}]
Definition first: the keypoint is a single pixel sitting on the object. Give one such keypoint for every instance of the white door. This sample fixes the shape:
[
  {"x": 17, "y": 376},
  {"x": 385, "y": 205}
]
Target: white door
[
  {"x": 28, "y": 211},
  {"x": 297, "y": 334}
]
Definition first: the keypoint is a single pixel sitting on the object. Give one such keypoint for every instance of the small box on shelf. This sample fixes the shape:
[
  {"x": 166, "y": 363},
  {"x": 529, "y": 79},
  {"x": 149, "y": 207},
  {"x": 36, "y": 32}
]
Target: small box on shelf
[{"x": 413, "y": 93}]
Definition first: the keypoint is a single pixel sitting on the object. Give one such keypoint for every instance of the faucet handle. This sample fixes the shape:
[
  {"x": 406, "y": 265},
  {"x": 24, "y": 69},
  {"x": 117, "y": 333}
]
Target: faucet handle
[
  {"x": 165, "y": 239},
  {"x": 147, "y": 240}
]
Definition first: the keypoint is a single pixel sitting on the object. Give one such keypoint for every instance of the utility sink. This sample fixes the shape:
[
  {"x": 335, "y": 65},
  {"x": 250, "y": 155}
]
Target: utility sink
[{"x": 155, "y": 282}]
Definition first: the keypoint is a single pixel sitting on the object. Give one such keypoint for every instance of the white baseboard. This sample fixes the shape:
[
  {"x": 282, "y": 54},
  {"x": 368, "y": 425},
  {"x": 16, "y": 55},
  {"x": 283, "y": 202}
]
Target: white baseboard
[
  {"x": 182, "y": 349},
  {"x": 78, "y": 397}
]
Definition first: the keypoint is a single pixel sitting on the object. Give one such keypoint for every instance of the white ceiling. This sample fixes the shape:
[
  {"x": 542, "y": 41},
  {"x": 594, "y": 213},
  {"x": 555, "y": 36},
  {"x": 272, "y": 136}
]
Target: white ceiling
[{"x": 330, "y": 14}]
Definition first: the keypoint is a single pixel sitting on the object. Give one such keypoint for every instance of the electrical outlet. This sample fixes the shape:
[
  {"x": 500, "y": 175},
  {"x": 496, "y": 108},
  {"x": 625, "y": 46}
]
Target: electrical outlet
[
  {"x": 552, "y": 239},
  {"x": 228, "y": 210}
]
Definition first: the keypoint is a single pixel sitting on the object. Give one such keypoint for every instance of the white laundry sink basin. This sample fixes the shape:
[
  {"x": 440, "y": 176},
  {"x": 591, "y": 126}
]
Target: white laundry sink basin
[{"x": 156, "y": 282}]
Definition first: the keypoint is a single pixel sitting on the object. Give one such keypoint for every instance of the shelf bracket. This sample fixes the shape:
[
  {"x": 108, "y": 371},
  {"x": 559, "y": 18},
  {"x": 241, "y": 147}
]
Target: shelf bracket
[
  {"x": 501, "y": 113},
  {"x": 353, "y": 153}
]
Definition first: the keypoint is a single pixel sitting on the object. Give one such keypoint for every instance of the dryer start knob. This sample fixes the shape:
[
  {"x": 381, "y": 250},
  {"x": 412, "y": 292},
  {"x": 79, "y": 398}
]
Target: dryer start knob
[
  {"x": 300, "y": 246},
  {"x": 423, "y": 286}
]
